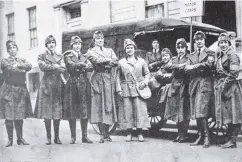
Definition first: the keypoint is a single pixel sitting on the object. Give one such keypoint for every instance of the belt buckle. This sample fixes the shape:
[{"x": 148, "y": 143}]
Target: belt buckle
[
  {"x": 106, "y": 71},
  {"x": 81, "y": 75}
]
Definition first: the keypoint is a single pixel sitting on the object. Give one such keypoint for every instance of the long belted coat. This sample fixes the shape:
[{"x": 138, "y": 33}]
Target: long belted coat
[
  {"x": 103, "y": 108},
  {"x": 132, "y": 108},
  {"x": 77, "y": 89},
  {"x": 177, "y": 104},
  {"x": 201, "y": 85},
  {"x": 50, "y": 94},
  {"x": 228, "y": 95},
  {"x": 15, "y": 101}
]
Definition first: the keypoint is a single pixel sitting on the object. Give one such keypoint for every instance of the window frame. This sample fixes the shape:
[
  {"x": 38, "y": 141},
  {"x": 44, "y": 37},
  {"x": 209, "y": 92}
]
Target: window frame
[
  {"x": 11, "y": 29},
  {"x": 155, "y": 6},
  {"x": 33, "y": 36}
]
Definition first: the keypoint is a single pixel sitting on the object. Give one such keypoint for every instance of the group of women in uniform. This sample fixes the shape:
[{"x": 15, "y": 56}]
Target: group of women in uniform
[{"x": 186, "y": 87}]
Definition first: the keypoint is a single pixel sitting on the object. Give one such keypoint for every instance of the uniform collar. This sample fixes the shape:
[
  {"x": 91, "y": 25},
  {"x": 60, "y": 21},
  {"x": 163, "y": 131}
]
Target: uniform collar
[
  {"x": 156, "y": 50},
  {"x": 76, "y": 53}
]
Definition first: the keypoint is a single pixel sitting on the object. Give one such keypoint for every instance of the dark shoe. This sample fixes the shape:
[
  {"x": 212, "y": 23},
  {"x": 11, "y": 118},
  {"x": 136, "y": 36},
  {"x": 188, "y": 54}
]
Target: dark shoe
[
  {"x": 22, "y": 142},
  {"x": 85, "y": 139},
  {"x": 57, "y": 140},
  {"x": 199, "y": 141},
  {"x": 48, "y": 142},
  {"x": 101, "y": 139},
  {"x": 10, "y": 143},
  {"x": 140, "y": 138},
  {"x": 177, "y": 139},
  {"x": 73, "y": 141},
  {"x": 206, "y": 142}
]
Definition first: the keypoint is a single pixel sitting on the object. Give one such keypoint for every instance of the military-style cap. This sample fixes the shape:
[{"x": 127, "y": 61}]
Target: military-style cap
[
  {"x": 181, "y": 41},
  {"x": 166, "y": 51},
  {"x": 199, "y": 34},
  {"x": 155, "y": 40},
  {"x": 10, "y": 43},
  {"x": 97, "y": 33},
  {"x": 49, "y": 39},
  {"x": 129, "y": 42},
  {"x": 75, "y": 39},
  {"x": 224, "y": 37}
]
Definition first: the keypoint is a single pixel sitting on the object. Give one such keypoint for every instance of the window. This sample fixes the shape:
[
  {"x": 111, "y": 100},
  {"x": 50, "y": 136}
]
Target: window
[
  {"x": 10, "y": 19},
  {"x": 154, "y": 11},
  {"x": 73, "y": 11},
  {"x": 33, "y": 27}
]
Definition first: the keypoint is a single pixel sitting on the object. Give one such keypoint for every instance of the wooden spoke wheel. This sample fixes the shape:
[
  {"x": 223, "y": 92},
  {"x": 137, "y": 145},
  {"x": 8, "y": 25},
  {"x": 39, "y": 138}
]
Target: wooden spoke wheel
[
  {"x": 156, "y": 122},
  {"x": 216, "y": 130},
  {"x": 112, "y": 128}
]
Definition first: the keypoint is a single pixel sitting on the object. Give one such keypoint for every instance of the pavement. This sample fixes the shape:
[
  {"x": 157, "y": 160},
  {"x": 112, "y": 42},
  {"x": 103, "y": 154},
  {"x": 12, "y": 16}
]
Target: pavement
[{"x": 157, "y": 147}]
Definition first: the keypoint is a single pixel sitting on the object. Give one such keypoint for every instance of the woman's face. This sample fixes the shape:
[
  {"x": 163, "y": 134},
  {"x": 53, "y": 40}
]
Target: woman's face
[
  {"x": 166, "y": 58},
  {"x": 99, "y": 41},
  {"x": 200, "y": 42},
  {"x": 77, "y": 47},
  {"x": 181, "y": 50},
  {"x": 12, "y": 50},
  {"x": 51, "y": 45},
  {"x": 130, "y": 50},
  {"x": 224, "y": 45}
]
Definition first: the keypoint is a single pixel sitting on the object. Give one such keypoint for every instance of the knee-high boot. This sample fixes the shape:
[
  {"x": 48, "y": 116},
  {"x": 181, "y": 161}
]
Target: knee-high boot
[
  {"x": 199, "y": 140},
  {"x": 56, "y": 131},
  {"x": 102, "y": 132},
  {"x": 19, "y": 132},
  {"x": 106, "y": 135},
  {"x": 9, "y": 128},
  {"x": 84, "y": 123},
  {"x": 232, "y": 142},
  {"x": 207, "y": 140},
  {"x": 72, "y": 124},
  {"x": 48, "y": 131}
]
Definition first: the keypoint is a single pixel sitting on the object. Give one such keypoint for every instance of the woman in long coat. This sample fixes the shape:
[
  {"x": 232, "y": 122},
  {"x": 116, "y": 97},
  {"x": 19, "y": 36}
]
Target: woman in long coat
[
  {"x": 50, "y": 94},
  {"x": 228, "y": 95},
  {"x": 14, "y": 96},
  {"x": 177, "y": 104},
  {"x": 132, "y": 108},
  {"x": 76, "y": 89},
  {"x": 103, "y": 109},
  {"x": 200, "y": 68}
]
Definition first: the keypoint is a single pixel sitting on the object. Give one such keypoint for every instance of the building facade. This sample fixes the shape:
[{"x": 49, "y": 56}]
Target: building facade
[{"x": 30, "y": 22}]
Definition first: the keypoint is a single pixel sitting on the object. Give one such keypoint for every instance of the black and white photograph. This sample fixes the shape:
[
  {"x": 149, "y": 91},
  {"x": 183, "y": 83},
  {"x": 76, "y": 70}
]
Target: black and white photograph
[{"x": 120, "y": 80}]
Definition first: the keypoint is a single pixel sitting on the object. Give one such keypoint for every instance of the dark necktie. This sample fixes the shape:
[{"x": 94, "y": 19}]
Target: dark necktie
[
  {"x": 199, "y": 51},
  {"x": 79, "y": 57}
]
